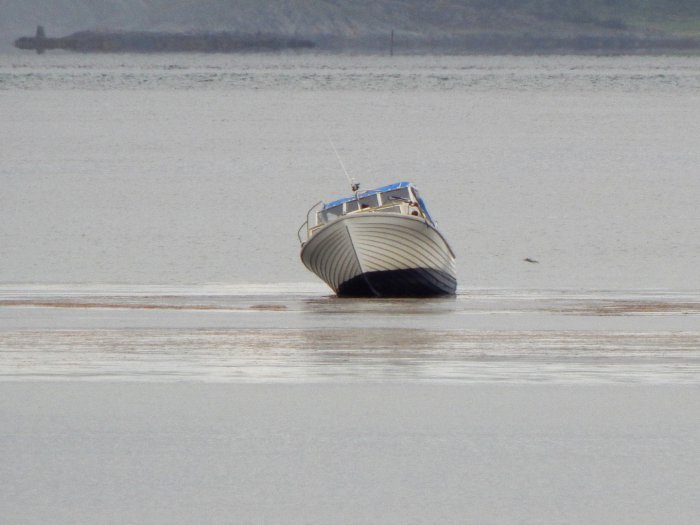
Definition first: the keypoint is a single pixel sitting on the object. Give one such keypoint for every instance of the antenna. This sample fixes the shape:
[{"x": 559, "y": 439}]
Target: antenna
[{"x": 353, "y": 183}]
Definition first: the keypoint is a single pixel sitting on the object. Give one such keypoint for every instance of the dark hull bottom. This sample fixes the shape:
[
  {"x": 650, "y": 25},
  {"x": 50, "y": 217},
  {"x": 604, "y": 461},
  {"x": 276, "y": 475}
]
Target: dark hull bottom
[{"x": 416, "y": 282}]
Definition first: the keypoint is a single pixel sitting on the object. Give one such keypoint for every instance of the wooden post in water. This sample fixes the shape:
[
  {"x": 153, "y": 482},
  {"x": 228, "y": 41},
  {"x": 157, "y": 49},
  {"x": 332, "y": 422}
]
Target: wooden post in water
[{"x": 391, "y": 44}]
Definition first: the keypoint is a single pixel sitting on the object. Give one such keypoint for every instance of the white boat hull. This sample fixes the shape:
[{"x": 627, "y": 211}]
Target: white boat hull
[{"x": 381, "y": 255}]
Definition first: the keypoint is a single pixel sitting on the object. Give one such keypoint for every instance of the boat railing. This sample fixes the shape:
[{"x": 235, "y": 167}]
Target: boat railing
[{"x": 306, "y": 225}]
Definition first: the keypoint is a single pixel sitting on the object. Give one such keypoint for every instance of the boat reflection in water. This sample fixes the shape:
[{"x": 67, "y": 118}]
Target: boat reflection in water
[{"x": 379, "y": 243}]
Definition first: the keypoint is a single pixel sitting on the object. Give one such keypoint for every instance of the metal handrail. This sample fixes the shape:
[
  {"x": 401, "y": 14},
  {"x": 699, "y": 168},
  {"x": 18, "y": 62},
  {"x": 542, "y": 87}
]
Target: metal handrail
[
  {"x": 306, "y": 223},
  {"x": 301, "y": 241}
]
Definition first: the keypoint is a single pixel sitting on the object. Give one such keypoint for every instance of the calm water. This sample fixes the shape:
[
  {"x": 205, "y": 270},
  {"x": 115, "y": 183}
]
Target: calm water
[{"x": 149, "y": 209}]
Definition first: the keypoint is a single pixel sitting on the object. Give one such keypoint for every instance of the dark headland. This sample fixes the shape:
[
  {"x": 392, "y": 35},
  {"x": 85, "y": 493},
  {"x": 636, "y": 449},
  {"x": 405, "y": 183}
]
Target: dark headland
[
  {"x": 460, "y": 26},
  {"x": 161, "y": 42}
]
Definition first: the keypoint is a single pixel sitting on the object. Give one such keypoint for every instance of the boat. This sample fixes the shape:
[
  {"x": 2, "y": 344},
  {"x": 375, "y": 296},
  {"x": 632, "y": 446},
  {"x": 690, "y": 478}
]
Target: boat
[{"x": 378, "y": 243}]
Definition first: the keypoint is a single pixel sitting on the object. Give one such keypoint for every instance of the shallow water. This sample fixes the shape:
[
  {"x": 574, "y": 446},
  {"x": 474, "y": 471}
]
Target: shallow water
[
  {"x": 256, "y": 334},
  {"x": 148, "y": 215},
  {"x": 166, "y": 191}
]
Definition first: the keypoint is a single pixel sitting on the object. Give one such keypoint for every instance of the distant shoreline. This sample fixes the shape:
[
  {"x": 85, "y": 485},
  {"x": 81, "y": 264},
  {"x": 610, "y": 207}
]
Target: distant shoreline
[
  {"x": 477, "y": 43},
  {"x": 161, "y": 42}
]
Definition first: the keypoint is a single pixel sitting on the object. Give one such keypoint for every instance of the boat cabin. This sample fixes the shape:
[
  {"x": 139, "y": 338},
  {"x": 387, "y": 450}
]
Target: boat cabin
[{"x": 400, "y": 197}]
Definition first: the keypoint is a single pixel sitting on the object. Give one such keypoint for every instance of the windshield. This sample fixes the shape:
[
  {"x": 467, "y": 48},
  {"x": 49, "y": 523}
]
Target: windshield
[
  {"x": 393, "y": 196},
  {"x": 383, "y": 201},
  {"x": 330, "y": 214}
]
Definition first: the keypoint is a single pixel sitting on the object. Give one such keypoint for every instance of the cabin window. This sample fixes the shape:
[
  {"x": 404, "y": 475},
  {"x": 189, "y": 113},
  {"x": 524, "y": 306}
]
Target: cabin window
[
  {"x": 396, "y": 196},
  {"x": 331, "y": 213},
  {"x": 371, "y": 201},
  {"x": 351, "y": 206}
]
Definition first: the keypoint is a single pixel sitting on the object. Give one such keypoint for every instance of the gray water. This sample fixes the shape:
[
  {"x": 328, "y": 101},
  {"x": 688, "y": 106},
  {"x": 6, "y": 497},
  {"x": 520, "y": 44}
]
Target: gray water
[
  {"x": 199, "y": 169},
  {"x": 149, "y": 267},
  {"x": 177, "y": 183}
]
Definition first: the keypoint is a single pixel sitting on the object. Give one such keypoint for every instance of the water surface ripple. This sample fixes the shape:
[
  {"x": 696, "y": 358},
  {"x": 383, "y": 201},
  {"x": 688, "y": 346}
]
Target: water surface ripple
[{"x": 318, "y": 72}]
